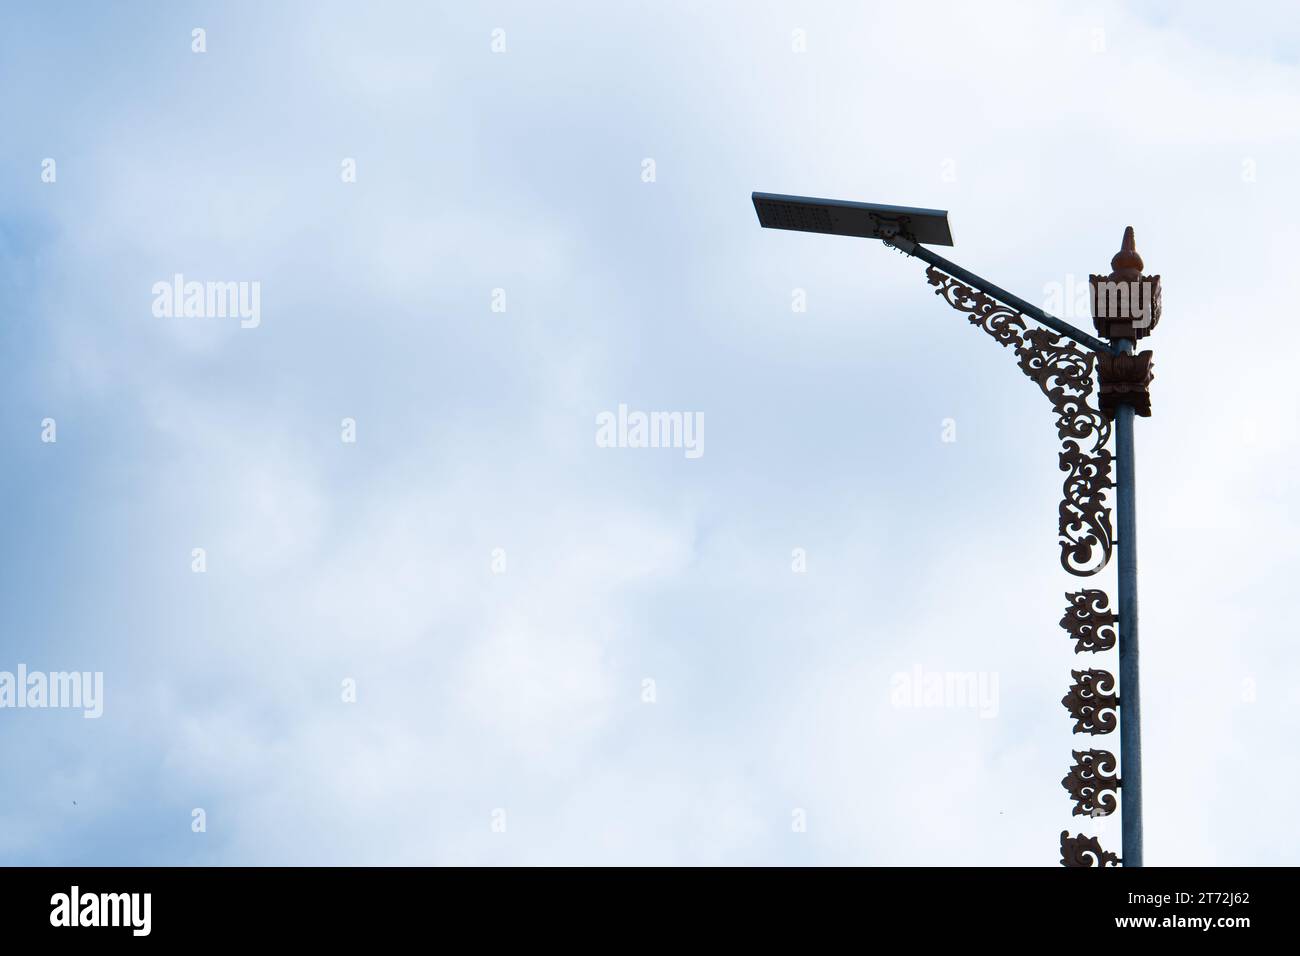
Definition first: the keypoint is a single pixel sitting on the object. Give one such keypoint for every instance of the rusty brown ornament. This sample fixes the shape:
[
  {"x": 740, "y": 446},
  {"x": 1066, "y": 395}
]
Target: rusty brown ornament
[
  {"x": 1064, "y": 373},
  {"x": 1089, "y": 620},
  {"x": 1092, "y": 783},
  {"x": 1092, "y": 702},
  {"x": 1080, "y": 850},
  {"x": 1126, "y": 303},
  {"x": 1125, "y": 380}
]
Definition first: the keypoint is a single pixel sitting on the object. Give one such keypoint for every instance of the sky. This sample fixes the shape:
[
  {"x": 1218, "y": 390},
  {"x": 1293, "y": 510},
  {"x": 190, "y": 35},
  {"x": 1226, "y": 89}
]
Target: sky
[{"x": 473, "y": 635}]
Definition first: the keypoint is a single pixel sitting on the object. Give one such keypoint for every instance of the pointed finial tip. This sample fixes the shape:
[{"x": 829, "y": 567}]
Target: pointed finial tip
[{"x": 1127, "y": 263}]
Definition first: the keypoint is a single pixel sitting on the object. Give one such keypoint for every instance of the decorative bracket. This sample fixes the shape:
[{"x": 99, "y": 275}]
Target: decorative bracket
[
  {"x": 1080, "y": 850},
  {"x": 1064, "y": 373},
  {"x": 1092, "y": 783},
  {"x": 1092, "y": 702},
  {"x": 1089, "y": 620}
]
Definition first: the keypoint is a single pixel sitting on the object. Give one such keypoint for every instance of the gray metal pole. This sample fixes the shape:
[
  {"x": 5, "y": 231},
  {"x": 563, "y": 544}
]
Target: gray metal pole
[{"x": 1130, "y": 699}]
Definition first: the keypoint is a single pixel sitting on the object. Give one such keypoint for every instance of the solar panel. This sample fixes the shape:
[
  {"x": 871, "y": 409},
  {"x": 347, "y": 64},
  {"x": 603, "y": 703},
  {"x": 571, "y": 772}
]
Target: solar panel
[{"x": 862, "y": 219}]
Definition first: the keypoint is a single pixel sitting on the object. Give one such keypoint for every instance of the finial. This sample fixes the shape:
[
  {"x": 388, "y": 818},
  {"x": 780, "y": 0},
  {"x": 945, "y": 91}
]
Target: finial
[
  {"x": 1125, "y": 304},
  {"x": 1127, "y": 264}
]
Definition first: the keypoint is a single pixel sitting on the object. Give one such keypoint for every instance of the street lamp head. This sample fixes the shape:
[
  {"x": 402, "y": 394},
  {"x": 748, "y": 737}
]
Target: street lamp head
[{"x": 864, "y": 220}]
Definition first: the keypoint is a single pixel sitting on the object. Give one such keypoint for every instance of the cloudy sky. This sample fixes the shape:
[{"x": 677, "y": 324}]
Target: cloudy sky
[{"x": 563, "y": 653}]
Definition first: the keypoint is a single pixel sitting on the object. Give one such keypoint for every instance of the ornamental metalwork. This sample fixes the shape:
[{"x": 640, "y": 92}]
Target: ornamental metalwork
[
  {"x": 1080, "y": 850},
  {"x": 1064, "y": 373},
  {"x": 1093, "y": 783},
  {"x": 1126, "y": 303},
  {"x": 1092, "y": 702},
  {"x": 1125, "y": 380},
  {"x": 1089, "y": 620}
]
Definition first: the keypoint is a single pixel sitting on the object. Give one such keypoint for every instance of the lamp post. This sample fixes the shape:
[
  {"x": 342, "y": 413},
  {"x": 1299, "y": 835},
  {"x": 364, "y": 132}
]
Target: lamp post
[{"x": 1067, "y": 364}]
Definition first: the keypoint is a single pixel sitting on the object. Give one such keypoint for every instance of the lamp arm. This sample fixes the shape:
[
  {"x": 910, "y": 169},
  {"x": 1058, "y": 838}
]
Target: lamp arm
[{"x": 910, "y": 248}]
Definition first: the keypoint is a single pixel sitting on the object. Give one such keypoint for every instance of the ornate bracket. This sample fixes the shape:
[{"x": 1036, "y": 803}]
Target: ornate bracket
[
  {"x": 1064, "y": 372},
  {"x": 1092, "y": 783},
  {"x": 1080, "y": 850},
  {"x": 1092, "y": 702},
  {"x": 1089, "y": 620}
]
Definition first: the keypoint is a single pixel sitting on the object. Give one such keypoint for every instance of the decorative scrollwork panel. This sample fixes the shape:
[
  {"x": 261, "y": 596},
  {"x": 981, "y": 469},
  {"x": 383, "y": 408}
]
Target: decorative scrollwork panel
[
  {"x": 1090, "y": 620},
  {"x": 1064, "y": 373},
  {"x": 1080, "y": 850},
  {"x": 1092, "y": 783},
  {"x": 1092, "y": 702}
]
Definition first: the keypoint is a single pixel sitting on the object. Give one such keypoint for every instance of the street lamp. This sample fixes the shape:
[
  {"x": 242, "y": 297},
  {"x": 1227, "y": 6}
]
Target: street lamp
[{"x": 1125, "y": 308}]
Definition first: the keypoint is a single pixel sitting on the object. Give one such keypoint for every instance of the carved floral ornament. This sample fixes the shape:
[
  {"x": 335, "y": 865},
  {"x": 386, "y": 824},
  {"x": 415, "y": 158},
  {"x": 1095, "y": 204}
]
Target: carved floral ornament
[
  {"x": 1125, "y": 380},
  {"x": 1090, "y": 621},
  {"x": 1080, "y": 850},
  {"x": 1092, "y": 783},
  {"x": 1092, "y": 702},
  {"x": 1064, "y": 373}
]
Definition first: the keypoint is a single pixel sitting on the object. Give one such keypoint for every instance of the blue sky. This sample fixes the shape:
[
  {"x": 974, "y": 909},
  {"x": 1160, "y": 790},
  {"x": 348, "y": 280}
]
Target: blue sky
[{"x": 1045, "y": 130}]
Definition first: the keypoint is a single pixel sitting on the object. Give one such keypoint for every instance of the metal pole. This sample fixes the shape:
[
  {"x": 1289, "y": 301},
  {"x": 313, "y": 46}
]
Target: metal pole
[{"x": 1130, "y": 701}]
